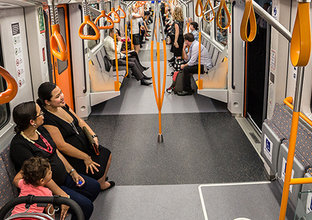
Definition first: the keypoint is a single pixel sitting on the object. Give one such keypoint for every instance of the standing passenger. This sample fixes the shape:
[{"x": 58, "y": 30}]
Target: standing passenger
[
  {"x": 178, "y": 32},
  {"x": 135, "y": 15}
]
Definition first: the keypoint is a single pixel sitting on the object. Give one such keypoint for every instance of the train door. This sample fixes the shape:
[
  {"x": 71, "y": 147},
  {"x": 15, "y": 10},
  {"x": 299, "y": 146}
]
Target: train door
[
  {"x": 61, "y": 70},
  {"x": 257, "y": 56}
]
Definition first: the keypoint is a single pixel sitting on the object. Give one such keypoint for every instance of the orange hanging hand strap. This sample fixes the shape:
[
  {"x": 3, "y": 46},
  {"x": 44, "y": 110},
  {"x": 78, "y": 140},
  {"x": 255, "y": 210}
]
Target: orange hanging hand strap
[
  {"x": 121, "y": 10},
  {"x": 103, "y": 15},
  {"x": 116, "y": 15},
  {"x": 249, "y": 14},
  {"x": 223, "y": 5},
  {"x": 300, "y": 45},
  {"x": 87, "y": 21},
  {"x": 12, "y": 87},
  {"x": 199, "y": 4},
  {"x": 212, "y": 12},
  {"x": 58, "y": 46}
]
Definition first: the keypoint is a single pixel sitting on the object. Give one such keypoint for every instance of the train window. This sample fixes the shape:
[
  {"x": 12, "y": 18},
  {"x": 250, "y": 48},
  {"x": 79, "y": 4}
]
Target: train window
[
  {"x": 4, "y": 108},
  {"x": 206, "y": 27},
  {"x": 62, "y": 65},
  {"x": 220, "y": 34}
]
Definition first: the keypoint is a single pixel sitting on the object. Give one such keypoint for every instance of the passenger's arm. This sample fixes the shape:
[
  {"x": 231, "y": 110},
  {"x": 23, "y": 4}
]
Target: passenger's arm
[
  {"x": 56, "y": 190},
  {"x": 74, "y": 174},
  {"x": 135, "y": 15},
  {"x": 69, "y": 149},
  {"x": 176, "y": 35},
  {"x": 184, "y": 55},
  {"x": 17, "y": 178}
]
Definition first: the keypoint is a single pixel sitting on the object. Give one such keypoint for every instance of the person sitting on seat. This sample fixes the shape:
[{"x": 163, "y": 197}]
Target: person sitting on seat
[
  {"x": 33, "y": 140},
  {"x": 32, "y": 179},
  {"x": 133, "y": 62},
  {"x": 194, "y": 30},
  {"x": 191, "y": 66}
]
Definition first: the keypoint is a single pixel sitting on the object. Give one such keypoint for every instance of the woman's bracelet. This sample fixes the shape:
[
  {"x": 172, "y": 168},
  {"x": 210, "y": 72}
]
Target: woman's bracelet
[{"x": 71, "y": 171}]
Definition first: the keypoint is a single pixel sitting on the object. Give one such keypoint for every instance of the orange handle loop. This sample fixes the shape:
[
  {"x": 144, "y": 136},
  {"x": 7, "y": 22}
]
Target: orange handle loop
[
  {"x": 103, "y": 15},
  {"x": 212, "y": 11},
  {"x": 138, "y": 4},
  {"x": 249, "y": 14},
  {"x": 223, "y": 5},
  {"x": 12, "y": 87},
  {"x": 121, "y": 10},
  {"x": 87, "y": 20},
  {"x": 116, "y": 15},
  {"x": 57, "y": 44},
  {"x": 300, "y": 45},
  {"x": 199, "y": 4}
]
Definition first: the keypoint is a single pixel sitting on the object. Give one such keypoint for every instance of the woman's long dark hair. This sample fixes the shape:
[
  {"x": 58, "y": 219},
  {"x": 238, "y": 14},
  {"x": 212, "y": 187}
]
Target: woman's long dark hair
[
  {"x": 45, "y": 93},
  {"x": 22, "y": 114}
]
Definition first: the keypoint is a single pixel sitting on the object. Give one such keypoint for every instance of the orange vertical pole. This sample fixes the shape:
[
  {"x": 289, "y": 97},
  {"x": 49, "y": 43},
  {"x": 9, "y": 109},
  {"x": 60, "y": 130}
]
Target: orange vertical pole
[
  {"x": 200, "y": 81},
  {"x": 116, "y": 83},
  {"x": 132, "y": 47},
  {"x": 126, "y": 36},
  {"x": 290, "y": 160},
  {"x": 158, "y": 82}
]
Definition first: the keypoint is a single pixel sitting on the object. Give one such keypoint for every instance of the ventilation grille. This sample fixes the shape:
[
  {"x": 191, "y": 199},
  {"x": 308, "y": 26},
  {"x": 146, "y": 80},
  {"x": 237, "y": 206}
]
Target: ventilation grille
[{"x": 254, "y": 137}]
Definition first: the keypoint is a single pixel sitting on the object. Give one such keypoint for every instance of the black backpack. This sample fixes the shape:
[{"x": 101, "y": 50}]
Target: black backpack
[{"x": 177, "y": 83}]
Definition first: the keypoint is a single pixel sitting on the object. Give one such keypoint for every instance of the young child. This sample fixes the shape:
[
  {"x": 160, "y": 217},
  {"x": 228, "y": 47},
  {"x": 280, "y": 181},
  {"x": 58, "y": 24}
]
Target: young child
[{"x": 31, "y": 179}]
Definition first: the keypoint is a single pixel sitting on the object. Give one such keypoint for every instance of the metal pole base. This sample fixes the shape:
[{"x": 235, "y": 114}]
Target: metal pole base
[{"x": 160, "y": 138}]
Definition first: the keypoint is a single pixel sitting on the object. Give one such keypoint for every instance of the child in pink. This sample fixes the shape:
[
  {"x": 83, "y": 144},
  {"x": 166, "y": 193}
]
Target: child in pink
[{"x": 34, "y": 175}]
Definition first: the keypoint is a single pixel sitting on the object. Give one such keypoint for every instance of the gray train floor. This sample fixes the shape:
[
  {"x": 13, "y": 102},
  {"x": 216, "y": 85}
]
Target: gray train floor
[
  {"x": 204, "y": 145},
  {"x": 252, "y": 200}
]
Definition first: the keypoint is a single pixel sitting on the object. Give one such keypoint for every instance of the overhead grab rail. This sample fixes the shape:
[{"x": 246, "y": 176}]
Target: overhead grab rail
[
  {"x": 87, "y": 21},
  {"x": 57, "y": 43},
  {"x": 219, "y": 16},
  {"x": 249, "y": 15},
  {"x": 159, "y": 91},
  {"x": 12, "y": 88}
]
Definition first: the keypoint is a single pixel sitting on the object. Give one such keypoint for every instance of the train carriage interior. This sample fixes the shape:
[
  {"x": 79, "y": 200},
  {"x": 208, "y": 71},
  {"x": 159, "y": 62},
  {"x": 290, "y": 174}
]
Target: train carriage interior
[{"x": 205, "y": 105}]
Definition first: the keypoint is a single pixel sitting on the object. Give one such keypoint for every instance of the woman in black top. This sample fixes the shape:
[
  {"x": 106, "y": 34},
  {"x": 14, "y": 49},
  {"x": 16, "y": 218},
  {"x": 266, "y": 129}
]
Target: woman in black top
[
  {"x": 178, "y": 32},
  {"x": 31, "y": 140},
  {"x": 65, "y": 127}
]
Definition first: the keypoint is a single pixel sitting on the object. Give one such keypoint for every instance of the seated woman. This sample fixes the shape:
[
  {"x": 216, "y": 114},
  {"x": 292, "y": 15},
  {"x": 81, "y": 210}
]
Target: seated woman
[
  {"x": 66, "y": 130},
  {"x": 33, "y": 140}
]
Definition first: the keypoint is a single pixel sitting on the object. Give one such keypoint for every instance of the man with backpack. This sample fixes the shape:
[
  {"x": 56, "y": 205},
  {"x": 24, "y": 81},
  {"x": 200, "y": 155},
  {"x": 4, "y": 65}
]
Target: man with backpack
[{"x": 191, "y": 67}]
